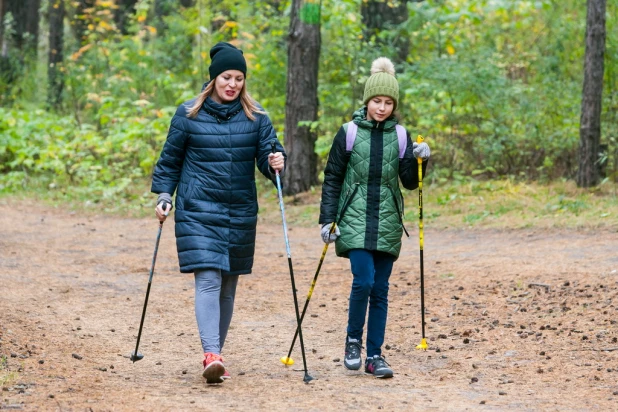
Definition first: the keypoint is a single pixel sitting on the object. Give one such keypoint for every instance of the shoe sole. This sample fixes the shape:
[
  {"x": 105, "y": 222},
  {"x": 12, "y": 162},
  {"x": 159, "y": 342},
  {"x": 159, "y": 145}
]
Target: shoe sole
[
  {"x": 213, "y": 373},
  {"x": 384, "y": 376},
  {"x": 352, "y": 367}
]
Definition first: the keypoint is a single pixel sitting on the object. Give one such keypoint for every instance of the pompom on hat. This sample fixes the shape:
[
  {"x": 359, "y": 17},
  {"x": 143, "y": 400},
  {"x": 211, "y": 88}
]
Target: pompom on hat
[
  {"x": 223, "y": 57},
  {"x": 382, "y": 81}
]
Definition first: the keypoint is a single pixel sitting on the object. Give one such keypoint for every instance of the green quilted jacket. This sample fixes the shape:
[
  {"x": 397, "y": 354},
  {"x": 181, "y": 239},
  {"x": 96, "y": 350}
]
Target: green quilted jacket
[{"x": 361, "y": 187}]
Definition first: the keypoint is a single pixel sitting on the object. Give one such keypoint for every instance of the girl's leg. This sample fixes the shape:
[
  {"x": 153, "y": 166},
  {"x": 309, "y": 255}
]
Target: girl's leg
[
  {"x": 226, "y": 303},
  {"x": 207, "y": 308},
  {"x": 378, "y": 303},
  {"x": 363, "y": 271}
]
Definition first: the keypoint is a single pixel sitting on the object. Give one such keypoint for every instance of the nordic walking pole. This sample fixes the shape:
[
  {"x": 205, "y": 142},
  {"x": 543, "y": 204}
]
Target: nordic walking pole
[
  {"x": 135, "y": 355},
  {"x": 287, "y": 360},
  {"x": 423, "y": 344},
  {"x": 307, "y": 377}
]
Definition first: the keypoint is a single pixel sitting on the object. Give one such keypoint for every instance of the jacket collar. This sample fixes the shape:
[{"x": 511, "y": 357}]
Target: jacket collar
[
  {"x": 360, "y": 118},
  {"x": 220, "y": 111}
]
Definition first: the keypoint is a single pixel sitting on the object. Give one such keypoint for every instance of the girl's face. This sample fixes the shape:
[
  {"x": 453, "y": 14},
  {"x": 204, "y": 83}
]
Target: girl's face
[
  {"x": 228, "y": 86},
  {"x": 379, "y": 108}
]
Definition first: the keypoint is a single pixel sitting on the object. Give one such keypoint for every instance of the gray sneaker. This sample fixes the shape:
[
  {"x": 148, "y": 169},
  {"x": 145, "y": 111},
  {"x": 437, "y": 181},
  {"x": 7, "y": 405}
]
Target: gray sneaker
[
  {"x": 378, "y": 367},
  {"x": 352, "y": 359}
]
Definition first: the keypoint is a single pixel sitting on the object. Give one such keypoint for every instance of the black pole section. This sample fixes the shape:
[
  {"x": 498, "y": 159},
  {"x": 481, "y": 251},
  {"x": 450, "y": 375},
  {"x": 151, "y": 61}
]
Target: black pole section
[
  {"x": 307, "y": 377},
  {"x": 422, "y": 297},
  {"x": 317, "y": 272},
  {"x": 313, "y": 283},
  {"x": 136, "y": 356},
  {"x": 421, "y": 241}
]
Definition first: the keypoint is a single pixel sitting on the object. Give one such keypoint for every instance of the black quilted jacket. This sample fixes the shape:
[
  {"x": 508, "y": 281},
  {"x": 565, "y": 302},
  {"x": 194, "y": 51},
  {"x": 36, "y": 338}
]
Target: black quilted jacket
[{"x": 210, "y": 162}]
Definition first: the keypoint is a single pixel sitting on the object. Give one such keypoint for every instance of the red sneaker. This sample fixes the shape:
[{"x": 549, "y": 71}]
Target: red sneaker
[
  {"x": 226, "y": 375},
  {"x": 213, "y": 368}
]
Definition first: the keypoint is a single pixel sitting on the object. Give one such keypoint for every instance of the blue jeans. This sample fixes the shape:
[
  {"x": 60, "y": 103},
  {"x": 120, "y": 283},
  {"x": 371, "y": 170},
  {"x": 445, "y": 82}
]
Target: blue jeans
[
  {"x": 371, "y": 271},
  {"x": 214, "y": 306}
]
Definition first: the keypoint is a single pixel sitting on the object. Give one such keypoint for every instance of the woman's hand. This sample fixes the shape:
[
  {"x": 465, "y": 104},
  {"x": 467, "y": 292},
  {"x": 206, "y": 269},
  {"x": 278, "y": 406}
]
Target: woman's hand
[
  {"x": 276, "y": 161},
  {"x": 162, "y": 210}
]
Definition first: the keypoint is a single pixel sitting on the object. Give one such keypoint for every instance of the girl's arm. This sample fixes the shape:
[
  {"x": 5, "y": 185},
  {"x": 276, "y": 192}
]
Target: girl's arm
[{"x": 334, "y": 174}]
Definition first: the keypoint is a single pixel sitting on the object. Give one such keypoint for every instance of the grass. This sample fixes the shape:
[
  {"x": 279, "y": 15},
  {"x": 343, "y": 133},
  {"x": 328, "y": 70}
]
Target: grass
[
  {"x": 6, "y": 377},
  {"x": 505, "y": 204},
  {"x": 496, "y": 204}
]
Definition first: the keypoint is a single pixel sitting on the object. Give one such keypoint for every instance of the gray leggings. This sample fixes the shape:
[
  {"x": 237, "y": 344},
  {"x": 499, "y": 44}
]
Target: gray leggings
[{"x": 214, "y": 305}]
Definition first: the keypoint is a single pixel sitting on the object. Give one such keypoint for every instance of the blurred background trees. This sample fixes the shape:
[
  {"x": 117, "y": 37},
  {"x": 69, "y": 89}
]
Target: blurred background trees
[{"x": 87, "y": 87}]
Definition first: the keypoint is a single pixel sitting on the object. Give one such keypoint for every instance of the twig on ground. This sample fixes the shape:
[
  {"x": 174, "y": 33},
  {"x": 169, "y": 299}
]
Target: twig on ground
[{"x": 542, "y": 285}]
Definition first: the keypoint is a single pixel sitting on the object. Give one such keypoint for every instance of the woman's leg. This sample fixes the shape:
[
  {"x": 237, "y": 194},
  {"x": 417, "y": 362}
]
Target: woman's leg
[
  {"x": 378, "y": 303},
  {"x": 207, "y": 308},
  {"x": 226, "y": 303}
]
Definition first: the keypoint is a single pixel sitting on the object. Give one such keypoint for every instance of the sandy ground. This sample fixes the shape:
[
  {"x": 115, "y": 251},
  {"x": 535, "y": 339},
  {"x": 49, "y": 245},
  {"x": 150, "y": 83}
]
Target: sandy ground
[{"x": 516, "y": 320}]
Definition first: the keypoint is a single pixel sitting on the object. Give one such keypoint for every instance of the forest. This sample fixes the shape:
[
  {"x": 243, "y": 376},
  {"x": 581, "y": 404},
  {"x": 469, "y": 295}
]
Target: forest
[
  {"x": 520, "y": 90},
  {"x": 510, "y": 261}
]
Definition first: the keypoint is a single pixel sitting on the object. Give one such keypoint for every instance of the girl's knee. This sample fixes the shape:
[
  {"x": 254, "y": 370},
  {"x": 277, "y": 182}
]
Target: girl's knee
[{"x": 362, "y": 286}]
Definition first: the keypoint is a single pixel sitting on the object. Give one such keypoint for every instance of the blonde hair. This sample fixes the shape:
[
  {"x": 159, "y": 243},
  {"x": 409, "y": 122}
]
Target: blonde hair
[{"x": 249, "y": 105}]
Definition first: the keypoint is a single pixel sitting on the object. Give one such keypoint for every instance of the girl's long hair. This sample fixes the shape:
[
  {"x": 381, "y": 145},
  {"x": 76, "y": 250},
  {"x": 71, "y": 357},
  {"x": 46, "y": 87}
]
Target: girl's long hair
[{"x": 249, "y": 105}]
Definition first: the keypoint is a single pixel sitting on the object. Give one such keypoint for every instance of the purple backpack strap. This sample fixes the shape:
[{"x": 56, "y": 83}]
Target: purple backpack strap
[
  {"x": 402, "y": 136},
  {"x": 350, "y": 136}
]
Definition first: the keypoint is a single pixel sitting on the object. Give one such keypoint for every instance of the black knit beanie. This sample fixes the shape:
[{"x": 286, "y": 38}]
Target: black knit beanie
[{"x": 224, "y": 57}]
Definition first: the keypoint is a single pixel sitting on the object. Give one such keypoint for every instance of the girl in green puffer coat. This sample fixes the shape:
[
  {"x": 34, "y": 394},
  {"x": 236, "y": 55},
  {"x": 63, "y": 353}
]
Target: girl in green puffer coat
[{"x": 361, "y": 194}]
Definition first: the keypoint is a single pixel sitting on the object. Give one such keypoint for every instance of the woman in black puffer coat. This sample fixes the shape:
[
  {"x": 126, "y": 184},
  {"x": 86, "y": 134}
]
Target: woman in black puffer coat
[{"x": 209, "y": 158}]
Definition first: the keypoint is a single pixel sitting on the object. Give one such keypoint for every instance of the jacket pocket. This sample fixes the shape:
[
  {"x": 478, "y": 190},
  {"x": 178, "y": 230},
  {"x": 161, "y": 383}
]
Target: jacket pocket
[
  {"x": 347, "y": 201},
  {"x": 398, "y": 209},
  {"x": 188, "y": 194}
]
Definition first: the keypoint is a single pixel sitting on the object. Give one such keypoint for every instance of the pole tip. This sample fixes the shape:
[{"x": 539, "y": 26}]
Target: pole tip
[
  {"x": 136, "y": 356},
  {"x": 287, "y": 361},
  {"x": 422, "y": 345}
]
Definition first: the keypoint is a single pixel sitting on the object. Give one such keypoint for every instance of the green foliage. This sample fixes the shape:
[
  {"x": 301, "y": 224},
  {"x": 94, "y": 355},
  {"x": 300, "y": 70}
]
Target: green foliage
[
  {"x": 494, "y": 87},
  {"x": 40, "y": 145}
]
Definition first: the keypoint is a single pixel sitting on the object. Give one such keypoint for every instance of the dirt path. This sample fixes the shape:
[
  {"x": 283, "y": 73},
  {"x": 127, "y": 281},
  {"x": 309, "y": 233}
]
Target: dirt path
[{"x": 72, "y": 290}]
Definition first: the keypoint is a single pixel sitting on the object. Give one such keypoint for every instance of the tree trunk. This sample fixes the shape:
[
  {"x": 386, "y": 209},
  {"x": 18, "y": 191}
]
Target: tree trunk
[
  {"x": 3, "y": 46},
  {"x": 162, "y": 8},
  {"x": 32, "y": 25},
  {"x": 301, "y": 105},
  {"x": 121, "y": 15},
  {"x": 79, "y": 20},
  {"x": 54, "y": 72},
  {"x": 26, "y": 25},
  {"x": 592, "y": 94},
  {"x": 380, "y": 14}
]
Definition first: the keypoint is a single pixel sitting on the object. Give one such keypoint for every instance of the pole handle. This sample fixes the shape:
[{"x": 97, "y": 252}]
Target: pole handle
[
  {"x": 419, "y": 140},
  {"x": 164, "y": 207}
]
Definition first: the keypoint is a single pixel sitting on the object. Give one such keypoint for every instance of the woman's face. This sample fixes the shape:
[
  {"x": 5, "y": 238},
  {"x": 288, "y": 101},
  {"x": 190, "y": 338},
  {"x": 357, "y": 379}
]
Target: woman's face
[
  {"x": 228, "y": 86},
  {"x": 379, "y": 108}
]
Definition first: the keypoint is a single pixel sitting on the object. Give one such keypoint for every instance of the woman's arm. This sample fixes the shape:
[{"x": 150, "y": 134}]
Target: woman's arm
[
  {"x": 267, "y": 135},
  {"x": 167, "y": 171}
]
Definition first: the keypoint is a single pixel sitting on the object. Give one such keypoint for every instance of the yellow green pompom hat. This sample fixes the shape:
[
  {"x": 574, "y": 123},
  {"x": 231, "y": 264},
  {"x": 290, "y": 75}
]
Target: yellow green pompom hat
[{"x": 382, "y": 81}]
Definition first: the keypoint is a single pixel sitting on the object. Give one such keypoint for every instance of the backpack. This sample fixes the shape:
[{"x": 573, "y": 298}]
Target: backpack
[{"x": 350, "y": 137}]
